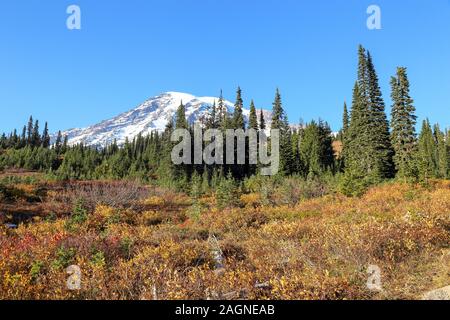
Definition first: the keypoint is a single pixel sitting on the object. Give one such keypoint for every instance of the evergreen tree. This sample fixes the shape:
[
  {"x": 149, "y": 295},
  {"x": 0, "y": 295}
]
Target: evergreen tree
[
  {"x": 368, "y": 148},
  {"x": 45, "y": 137},
  {"x": 30, "y": 131},
  {"x": 238, "y": 116},
  {"x": 222, "y": 112},
  {"x": 36, "y": 137},
  {"x": 379, "y": 126},
  {"x": 363, "y": 83},
  {"x": 205, "y": 181},
  {"x": 357, "y": 151},
  {"x": 441, "y": 153},
  {"x": 262, "y": 121},
  {"x": 253, "y": 119},
  {"x": 316, "y": 151},
  {"x": 279, "y": 118},
  {"x": 180, "y": 118},
  {"x": 280, "y": 122},
  {"x": 65, "y": 145},
  {"x": 403, "y": 122},
  {"x": 345, "y": 122},
  {"x": 23, "y": 137},
  {"x": 343, "y": 136},
  {"x": 212, "y": 117},
  {"x": 427, "y": 153},
  {"x": 227, "y": 193}
]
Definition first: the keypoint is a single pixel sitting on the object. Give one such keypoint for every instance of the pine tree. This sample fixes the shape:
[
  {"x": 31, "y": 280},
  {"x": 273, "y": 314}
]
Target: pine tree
[
  {"x": 357, "y": 152},
  {"x": 253, "y": 119},
  {"x": 262, "y": 121},
  {"x": 227, "y": 193},
  {"x": 345, "y": 122},
  {"x": 344, "y": 136},
  {"x": 368, "y": 146},
  {"x": 379, "y": 125},
  {"x": 23, "y": 137},
  {"x": 58, "y": 142},
  {"x": 222, "y": 112},
  {"x": 363, "y": 83},
  {"x": 441, "y": 153},
  {"x": 238, "y": 116},
  {"x": 279, "y": 118},
  {"x": 427, "y": 153},
  {"x": 180, "y": 117},
  {"x": 212, "y": 117},
  {"x": 280, "y": 122},
  {"x": 45, "y": 137},
  {"x": 205, "y": 180},
  {"x": 30, "y": 131},
  {"x": 403, "y": 122},
  {"x": 65, "y": 145},
  {"x": 179, "y": 173},
  {"x": 36, "y": 137}
]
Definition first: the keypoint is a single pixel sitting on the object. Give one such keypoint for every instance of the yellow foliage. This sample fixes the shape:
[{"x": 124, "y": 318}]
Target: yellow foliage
[{"x": 317, "y": 249}]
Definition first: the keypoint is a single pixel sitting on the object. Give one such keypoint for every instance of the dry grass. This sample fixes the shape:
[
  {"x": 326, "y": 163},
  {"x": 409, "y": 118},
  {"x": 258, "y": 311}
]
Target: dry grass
[{"x": 151, "y": 245}]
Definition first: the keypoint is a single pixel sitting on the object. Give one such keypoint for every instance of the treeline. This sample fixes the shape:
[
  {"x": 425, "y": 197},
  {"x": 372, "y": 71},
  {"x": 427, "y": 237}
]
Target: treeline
[
  {"x": 370, "y": 148},
  {"x": 306, "y": 151},
  {"x": 30, "y": 137}
]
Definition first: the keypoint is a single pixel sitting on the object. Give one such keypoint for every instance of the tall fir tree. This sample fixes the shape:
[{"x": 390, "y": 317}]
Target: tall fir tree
[
  {"x": 180, "y": 117},
  {"x": 441, "y": 153},
  {"x": 23, "y": 137},
  {"x": 45, "y": 137},
  {"x": 280, "y": 122},
  {"x": 427, "y": 153},
  {"x": 36, "y": 137},
  {"x": 345, "y": 121},
  {"x": 403, "y": 122},
  {"x": 58, "y": 142},
  {"x": 357, "y": 149},
  {"x": 369, "y": 147},
  {"x": 253, "y": 119},
  {"x": 30, "y": 130},
  {"x": 262, "y": 121},
  {"x": 379, "y": 125},
  {"x": 343, "y": 136},
  {"x": 316, "y": 152},
  {"x": 238, "y": 116},
  {"x": 212, "y": 117}
]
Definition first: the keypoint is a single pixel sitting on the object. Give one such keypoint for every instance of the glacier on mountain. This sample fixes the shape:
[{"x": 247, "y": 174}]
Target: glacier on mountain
[{"x": 152, "y": 115}]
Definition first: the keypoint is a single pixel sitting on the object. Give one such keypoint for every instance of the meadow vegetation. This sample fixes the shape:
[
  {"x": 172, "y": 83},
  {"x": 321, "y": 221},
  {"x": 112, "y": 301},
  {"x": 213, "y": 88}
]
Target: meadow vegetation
[{"x": 286, "y": 239}]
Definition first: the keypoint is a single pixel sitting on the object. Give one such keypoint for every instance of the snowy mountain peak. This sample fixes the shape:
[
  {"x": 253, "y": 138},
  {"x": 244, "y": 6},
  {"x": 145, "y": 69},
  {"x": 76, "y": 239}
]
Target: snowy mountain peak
[{"x": 152, "y": 115}]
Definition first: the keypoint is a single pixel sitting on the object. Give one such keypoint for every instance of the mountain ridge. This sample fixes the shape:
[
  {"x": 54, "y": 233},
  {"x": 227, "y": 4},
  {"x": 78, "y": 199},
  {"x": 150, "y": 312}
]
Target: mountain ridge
[{"x": 150, "y": 116}]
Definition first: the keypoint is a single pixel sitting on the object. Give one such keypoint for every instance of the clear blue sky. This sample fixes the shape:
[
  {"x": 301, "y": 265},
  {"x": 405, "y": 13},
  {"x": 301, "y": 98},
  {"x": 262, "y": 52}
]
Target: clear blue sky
[{"x": 128, "y": 51}]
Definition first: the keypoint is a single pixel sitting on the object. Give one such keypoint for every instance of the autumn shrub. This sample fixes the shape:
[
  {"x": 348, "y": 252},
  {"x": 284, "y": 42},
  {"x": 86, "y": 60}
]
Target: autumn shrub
[
  {"x": 311, "y": 247},
  {"x": 293, "y": 190},
  {"x": 117, "y": 194}
]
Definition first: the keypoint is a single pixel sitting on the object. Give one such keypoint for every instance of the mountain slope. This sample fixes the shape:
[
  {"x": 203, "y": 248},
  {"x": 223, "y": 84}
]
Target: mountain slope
[{"x": 152, "y": 115}]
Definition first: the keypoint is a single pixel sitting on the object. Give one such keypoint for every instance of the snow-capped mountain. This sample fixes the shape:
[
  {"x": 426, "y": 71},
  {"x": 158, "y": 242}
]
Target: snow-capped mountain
[{"x": 152, "y": 115}]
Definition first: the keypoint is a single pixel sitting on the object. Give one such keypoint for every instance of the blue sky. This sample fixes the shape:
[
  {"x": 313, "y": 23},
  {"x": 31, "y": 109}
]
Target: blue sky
[{"x": 128, "y": 51}]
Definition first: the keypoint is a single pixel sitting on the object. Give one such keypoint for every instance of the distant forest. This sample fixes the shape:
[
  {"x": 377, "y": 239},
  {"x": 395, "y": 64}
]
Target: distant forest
[{"x": 369, "y": 149}]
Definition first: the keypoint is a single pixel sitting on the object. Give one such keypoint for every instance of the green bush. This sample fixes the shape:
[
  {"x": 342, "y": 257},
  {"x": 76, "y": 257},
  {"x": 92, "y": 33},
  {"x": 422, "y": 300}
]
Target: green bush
[
  {"x": 64, "y": 258},
  {"x": 36, "y": 269},
  {"x": 78, "y": 217},
  {"x": 228, "y": 193}
]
